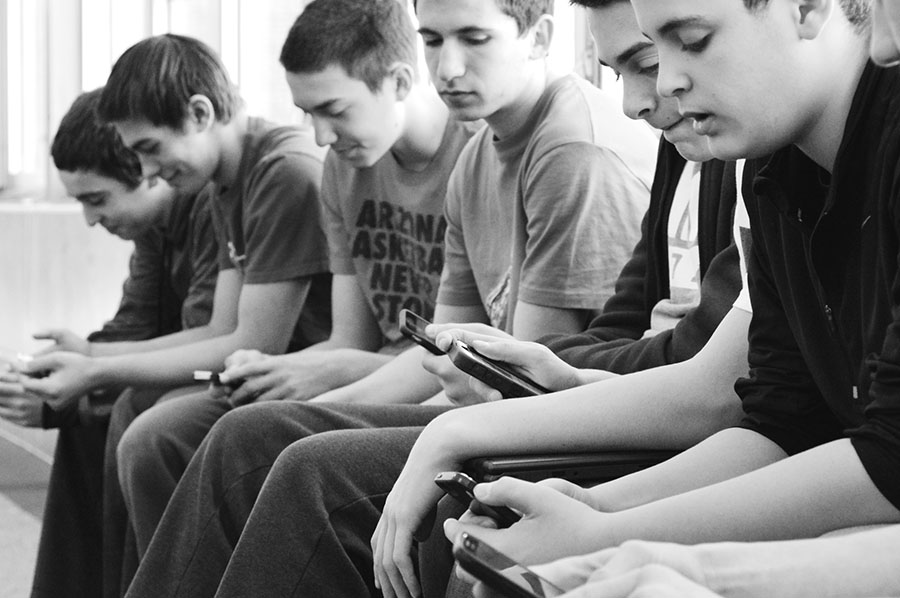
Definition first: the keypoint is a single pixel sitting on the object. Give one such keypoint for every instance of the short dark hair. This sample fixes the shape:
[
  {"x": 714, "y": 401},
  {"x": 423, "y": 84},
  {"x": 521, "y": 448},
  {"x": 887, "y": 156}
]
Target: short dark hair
[
  {"x": 155, "y": 78},
  {"x": 365, "y": 37},
  {"x": 856, "y": 11},
  {"x": 84, "y": 142},
  {"x": 525, "y": 12}
]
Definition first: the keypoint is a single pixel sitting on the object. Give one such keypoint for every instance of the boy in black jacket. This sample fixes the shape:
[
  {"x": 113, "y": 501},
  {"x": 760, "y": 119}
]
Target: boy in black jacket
[{"x": 819, "y": 446}]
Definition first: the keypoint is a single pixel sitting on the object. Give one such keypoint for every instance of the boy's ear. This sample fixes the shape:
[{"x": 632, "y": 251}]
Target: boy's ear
[
  {"x": 542, "y": 36},
  {"x": 812, "y": 16},
  {"x": 402, "y": 76},
  {"x": 201, "y": 112}
]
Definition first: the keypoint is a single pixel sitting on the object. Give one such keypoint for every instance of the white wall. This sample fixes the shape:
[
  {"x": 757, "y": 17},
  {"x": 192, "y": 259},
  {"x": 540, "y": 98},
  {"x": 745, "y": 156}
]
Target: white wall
[{"x": 55, "y": 271}]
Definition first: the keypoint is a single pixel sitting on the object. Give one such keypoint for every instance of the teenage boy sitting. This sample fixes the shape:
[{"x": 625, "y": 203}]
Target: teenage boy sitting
[
  {"x": 854, "y": 564},
  {"x": 172, "y": 102},
  {"x": 393, "y": 146},
  {"x": 671, "y": 407},
  {"x": 171, "y": 277},
  {"x": 819, "y": 446},
  {"x": 555, "y": 157}
]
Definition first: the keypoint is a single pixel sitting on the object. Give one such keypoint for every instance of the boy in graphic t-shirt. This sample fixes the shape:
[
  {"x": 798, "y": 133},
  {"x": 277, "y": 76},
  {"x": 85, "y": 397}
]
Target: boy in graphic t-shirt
[{"x": 393, "y": 146}]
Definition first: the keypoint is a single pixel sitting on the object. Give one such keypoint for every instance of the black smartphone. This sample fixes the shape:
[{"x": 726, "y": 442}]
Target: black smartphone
[
  {"x": 413, "y": 326},
  {"x": 499, "y": 572},
  {"x": 495, "y": 374},
  {"x": 461, "y": 487}
]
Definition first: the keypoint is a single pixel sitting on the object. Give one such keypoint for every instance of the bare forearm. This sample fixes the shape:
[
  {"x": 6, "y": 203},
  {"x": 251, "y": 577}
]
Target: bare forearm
[
  {"x": 647, "y": 410},
  {"x": 183, "y": 337},
  {"x": 864, "y": 563},
  {"x": 400, "y": 380},
  {"x": 174, "y": 365},
  {"x": 723, "y": 456},
  {"x": 670, "y": 407},
  {"x": 342, "y": 366},
  {"x": 806, "y": 495}
]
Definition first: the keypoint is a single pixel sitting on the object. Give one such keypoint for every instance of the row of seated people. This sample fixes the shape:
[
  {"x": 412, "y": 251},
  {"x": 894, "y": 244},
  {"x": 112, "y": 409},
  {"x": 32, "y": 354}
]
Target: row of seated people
[{"x": 746, "y": 320}]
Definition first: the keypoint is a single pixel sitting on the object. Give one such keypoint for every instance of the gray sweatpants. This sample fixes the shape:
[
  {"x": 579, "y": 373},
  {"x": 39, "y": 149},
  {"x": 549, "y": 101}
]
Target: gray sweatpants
[{"x": 318, "y": 509}]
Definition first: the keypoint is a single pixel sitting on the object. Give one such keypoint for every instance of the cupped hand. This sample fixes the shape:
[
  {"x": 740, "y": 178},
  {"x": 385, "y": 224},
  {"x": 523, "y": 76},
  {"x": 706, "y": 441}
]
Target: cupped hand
[
  {"x": 63, "y": 376},
  {"x": 461, "y": 388}
]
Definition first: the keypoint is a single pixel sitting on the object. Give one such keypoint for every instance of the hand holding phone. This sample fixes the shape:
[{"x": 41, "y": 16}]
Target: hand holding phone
[
  {"x": 413, "y": 326},
  {"x": 499, "y": 572},
  {"x": 495, "y": 374},
  {"x": 461, "y": 487},
  {"x": 22, "y": 361}
]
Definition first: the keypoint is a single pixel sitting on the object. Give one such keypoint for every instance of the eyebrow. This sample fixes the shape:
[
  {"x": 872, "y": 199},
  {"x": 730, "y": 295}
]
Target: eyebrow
[
  {"x": 631, "y": 51},
  {"x": 140, "y": 143},
  {"x": 461, "y": 31},
  {"x": 324, "y": 106},
  {"x": 90, "y": 195},
  {"x": 674, "y": 24}
]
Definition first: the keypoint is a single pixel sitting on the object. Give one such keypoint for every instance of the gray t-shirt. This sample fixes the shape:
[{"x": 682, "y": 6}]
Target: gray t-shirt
[{"x": 550, "y": 214}]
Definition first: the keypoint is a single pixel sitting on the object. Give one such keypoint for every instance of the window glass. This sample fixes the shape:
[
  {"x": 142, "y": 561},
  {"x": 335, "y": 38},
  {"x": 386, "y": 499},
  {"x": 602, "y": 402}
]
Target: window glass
[{"x": 39, "y": 44}]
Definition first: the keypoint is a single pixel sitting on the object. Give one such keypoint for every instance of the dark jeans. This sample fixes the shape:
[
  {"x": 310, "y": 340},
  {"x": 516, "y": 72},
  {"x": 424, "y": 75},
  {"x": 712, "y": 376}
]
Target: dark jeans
[
  {"x": 84, "y": 544},
  {"x": 69, "y": 555}
]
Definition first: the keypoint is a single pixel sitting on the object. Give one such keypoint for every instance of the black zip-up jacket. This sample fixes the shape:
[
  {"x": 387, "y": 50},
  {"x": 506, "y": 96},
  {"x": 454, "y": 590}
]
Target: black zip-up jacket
[
  {"x": 613, "y": 340},
  {"x": 823, "y": 277}
]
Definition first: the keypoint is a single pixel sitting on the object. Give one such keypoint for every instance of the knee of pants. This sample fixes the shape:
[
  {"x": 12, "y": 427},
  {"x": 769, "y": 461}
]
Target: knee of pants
[
  {"x": 299, "y": 462},
  {"x": 241, "y": 432},
  {"x": 145, "y": 444},
  {"x": 331, "y": 458}
]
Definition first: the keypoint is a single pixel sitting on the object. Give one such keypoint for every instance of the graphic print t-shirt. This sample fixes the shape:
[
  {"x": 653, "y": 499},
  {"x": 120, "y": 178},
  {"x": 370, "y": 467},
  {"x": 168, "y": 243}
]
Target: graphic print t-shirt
[{"x": 385, "y": 225}]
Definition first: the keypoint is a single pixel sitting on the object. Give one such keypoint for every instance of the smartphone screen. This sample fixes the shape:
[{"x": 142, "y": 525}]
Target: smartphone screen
[
  {"x": 207, "y": 376},
  {"x": 413, "y": 326},
  {"x": 493, "y": 373},
  {"x": 500, "y": 572},
  {"x": 214, "y": 379}
]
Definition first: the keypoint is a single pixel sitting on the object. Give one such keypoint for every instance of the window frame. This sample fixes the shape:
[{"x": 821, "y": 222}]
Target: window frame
[{"x": 4, "y": 119}]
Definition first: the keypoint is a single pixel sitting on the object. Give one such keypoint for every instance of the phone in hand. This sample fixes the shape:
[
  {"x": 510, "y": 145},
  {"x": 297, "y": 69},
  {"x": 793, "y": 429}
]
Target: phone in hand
[
  {"x": 413, "y": 326},
  {"x": 22, "y": 360},
  {"x": 499, "y": 572},
  {"x": 461, "y": 487},
  {"x": 495, "y": 374}
]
